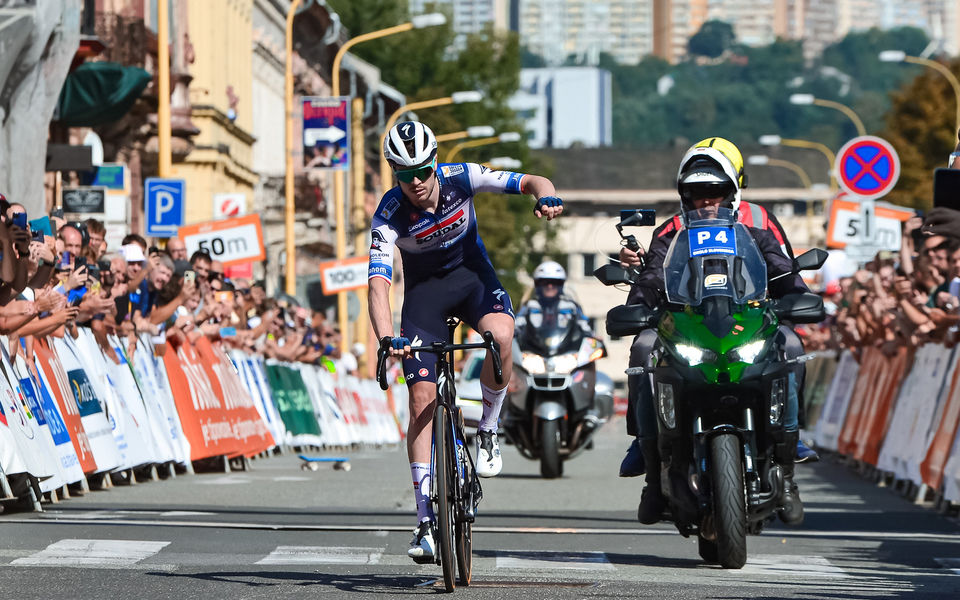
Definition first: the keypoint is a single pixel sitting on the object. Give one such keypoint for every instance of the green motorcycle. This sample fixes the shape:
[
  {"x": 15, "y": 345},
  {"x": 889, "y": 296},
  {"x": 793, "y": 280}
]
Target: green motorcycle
[{"x": 720, "y": 382}]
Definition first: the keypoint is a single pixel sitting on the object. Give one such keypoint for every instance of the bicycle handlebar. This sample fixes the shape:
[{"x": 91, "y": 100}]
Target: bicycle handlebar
[{"x": 441, "y": 348}]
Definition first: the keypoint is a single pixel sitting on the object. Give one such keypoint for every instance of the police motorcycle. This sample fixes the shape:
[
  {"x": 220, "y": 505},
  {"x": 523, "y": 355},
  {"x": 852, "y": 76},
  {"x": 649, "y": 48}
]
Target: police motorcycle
[
  {"x": 720, "y": 384},
  {"x": 552, "y": 415}
]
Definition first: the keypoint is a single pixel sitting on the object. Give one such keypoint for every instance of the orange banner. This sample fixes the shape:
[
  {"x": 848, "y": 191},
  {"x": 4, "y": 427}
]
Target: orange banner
[
  {"x": 63, "y": 395},
  {"x": 878, "y": 411},
  {"x": 931, "y": 469}
]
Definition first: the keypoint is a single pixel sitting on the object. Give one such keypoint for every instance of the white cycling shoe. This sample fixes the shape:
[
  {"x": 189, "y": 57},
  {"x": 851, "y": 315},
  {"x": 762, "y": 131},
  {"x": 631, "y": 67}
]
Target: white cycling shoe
[
  {"x": 422, "y": 547},
  {"x": 489, "y": 462}
]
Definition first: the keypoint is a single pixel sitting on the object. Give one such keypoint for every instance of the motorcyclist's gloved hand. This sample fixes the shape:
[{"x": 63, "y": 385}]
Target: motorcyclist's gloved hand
[{"x": 550, "y": 202}]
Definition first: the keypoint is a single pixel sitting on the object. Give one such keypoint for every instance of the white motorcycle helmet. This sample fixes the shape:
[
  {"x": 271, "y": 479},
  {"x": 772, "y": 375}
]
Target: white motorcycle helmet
[
  {"x": 409, "y": 144},
  {"x": 549, "y": 271}
]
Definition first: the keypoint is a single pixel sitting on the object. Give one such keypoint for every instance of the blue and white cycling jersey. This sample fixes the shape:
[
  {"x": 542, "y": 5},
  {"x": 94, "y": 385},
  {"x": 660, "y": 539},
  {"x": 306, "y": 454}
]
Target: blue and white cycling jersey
[{"x": 435, "y": 243}]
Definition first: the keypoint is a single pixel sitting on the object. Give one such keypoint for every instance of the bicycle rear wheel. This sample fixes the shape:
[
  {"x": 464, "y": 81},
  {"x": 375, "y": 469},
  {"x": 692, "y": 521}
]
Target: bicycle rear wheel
[{"x": 445, "y": 477}]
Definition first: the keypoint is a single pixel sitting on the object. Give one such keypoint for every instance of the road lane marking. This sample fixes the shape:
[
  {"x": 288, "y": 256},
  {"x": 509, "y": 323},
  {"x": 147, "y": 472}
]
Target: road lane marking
[
  {"x": 950, "y": 538},
  {"x": 99, "y": 554},
  {"x": 322, "y": 555},
  {"x": 791, "y": 566},
  {"x": 549, "y": 561},
  {"x": 950, "y": 563}
]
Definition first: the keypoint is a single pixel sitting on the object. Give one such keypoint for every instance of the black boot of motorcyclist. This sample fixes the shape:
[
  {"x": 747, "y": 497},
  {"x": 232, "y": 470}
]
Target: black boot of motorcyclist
[
  {"x": 791, "y": 506},
  {"x": 652, "y": 502}
]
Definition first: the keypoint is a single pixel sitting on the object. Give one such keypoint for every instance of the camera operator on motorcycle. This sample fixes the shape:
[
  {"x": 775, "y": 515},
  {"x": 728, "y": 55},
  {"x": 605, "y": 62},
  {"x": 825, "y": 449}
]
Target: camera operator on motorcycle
[
  {"x": 710, "y": 175},
  {"x": 550, "y": 302},
  {"x": 430, "y": 217}
]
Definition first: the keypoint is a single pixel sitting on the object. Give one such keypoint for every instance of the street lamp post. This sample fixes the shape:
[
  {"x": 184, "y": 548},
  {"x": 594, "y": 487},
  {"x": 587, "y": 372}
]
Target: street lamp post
[
  {"x": 776, "y": 140},
  {"x": 901, "y": 56},
  {"x": 509, "y": 136},
  {"x": 761, "y": 160},
  {"x": 164, "y": 165},
  {"x": 477, "y": 131},
  {"x": 807, "y": 99},
  {"x": 386, "y": 176}
]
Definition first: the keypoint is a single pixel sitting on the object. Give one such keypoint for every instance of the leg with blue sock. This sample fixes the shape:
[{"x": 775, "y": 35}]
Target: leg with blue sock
[{"x": 633, "y": 463}]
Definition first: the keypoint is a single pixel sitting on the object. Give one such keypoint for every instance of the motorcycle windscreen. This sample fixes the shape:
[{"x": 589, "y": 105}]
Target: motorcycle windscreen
[
  {"x": 551, "y": 332},
  {"x": 714, "y": 256}
]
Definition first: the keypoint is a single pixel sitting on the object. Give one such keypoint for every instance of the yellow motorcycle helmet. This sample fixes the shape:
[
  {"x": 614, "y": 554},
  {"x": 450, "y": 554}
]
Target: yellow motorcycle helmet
[{"x": 712, "y": 167}]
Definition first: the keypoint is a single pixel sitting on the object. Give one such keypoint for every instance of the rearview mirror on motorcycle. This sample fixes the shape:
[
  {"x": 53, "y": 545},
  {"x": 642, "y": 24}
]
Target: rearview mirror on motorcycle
[
  {"x": 805, "y": 307},
  {"x": 612, "y": 275},
  {"x": 810, "y": 260},
  {"x": 630, "y": 319},
  {"x": 638, "y": 217}
]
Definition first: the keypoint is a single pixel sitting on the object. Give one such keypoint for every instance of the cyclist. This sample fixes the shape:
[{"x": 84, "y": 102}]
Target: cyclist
[
  {"x": 550, "y": 301},
  {"x": 710, "y": 174},
  {"x": 430, "y": 217}
]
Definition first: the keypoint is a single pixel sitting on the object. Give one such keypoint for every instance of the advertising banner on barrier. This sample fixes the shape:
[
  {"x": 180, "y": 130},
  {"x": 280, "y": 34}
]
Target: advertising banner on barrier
[
  {"x": 247, "y": 424},
  {"x": 819, "y": 374},
  {"x": 152, "y": 378},
  {"x": 51, "y": 372},
  {"x": 881, "y": 402},
  {"x": 48, "y": 415},
  {"x": 254, "y": 379},
  {"x": 835, "y": 406},
  {"x": 201, "y": 413},
  {"x": 294, "y": 404},
  {"x": 942, "y": 441}
]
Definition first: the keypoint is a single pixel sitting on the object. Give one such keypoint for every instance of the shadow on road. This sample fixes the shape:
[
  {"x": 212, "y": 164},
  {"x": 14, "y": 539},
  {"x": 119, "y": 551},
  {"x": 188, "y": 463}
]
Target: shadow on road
[{"x": 356, "y": 583}]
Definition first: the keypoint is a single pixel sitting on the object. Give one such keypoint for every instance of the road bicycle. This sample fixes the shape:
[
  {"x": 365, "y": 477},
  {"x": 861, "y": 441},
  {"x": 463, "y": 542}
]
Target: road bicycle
[{"x": 455, "y": 487}]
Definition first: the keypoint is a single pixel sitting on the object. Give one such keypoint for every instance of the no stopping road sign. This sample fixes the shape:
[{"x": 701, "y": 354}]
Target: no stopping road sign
[{"x": 867, "y": 167}]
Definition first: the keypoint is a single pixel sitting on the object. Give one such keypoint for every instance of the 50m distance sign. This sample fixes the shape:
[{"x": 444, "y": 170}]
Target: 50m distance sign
[{"x": 231, "y": 241}]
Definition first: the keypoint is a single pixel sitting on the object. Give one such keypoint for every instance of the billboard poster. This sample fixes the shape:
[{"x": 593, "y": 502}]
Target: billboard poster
[{"x": 326, "y": 126}]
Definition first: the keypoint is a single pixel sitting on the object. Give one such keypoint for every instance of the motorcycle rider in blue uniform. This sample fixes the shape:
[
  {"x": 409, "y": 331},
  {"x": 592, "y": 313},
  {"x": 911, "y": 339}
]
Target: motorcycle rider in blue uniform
[{"x": 430, "y": 218}]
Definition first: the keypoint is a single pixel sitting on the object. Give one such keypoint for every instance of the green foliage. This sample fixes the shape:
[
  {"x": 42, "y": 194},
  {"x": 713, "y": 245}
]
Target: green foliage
[
  {"x": 713, "y": 39},
  {"x": 746, "y": 93},
  {"x": 922, "y": 128}
]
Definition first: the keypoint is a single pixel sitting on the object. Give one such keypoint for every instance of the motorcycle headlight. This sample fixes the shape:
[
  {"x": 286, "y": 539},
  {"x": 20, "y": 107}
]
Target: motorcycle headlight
[
  {"x": 747, "y": 353},
  {"x": 533, "y": 364},
  {"x": 693, "y": 355},
  {"x": 563, "y": 363}
]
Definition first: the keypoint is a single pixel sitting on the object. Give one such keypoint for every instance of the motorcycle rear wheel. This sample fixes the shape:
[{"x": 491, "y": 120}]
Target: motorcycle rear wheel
[
  {"x": 729, "y": 501},
  {"x": 551, "y": 465}
]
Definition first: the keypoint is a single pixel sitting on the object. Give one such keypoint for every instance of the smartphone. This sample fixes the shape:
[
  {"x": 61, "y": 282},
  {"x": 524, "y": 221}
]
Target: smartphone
[
  {"x": 638, "y": 216},
  {"x": 228, "y": 332},
  {"x": 95, "y": 287},
  {"x": 37, "y": 235},
  {"x": 189, "y": 275},
  {"x": 65, "y": 260},
  {"x": 75, "y": 297},
  {"x": 57, "y": 212},
  {"x": 42, "y": 224},
  {"x": 946, "y": 188},
  {"x": 20, "y": 220},
  {"x": 79, "y": 261}
]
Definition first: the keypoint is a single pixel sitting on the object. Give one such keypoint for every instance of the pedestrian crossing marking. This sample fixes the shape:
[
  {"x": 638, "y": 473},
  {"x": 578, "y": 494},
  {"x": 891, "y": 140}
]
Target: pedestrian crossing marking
[
  {"x": 322, "y": 555},
  {"x": 791, "y": 565},
  {"x": 583, "y": 561},
  {"x": 99, "y": 554},
  {"x": 950, "y": 563}
]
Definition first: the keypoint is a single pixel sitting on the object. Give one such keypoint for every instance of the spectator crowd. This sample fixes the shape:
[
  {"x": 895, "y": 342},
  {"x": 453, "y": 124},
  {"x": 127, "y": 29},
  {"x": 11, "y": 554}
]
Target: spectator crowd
[
  {"x": 897, "y": 300},
  {"x": 56, "y": 275}
]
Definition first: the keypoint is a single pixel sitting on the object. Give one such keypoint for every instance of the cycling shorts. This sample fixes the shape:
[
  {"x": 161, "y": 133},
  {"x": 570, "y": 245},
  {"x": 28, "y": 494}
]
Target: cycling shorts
[{"x": 463, "y": 293}]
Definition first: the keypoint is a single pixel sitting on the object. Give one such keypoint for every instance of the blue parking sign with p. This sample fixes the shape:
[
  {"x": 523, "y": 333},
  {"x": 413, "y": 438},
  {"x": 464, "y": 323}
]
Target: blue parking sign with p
[{"x": 163, "y": 206}]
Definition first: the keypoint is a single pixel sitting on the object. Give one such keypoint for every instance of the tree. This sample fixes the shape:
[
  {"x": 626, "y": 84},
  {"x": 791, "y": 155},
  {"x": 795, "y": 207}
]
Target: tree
[
  {"x": 713, "y": 39},
  {"x": 922, "y": 128}
]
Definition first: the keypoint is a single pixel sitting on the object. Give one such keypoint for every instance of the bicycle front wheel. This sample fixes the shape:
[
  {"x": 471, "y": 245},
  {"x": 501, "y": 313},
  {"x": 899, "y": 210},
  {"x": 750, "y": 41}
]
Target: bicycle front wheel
[{"x": 445, "y": 477}]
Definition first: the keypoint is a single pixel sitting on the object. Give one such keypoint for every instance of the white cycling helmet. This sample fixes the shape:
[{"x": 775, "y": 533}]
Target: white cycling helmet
[
  {"x": 409, "y": 144},
  {"x": 549, "y": 270}
]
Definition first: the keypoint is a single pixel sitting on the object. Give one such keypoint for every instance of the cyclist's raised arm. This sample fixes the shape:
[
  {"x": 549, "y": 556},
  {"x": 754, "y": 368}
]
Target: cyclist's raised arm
[{"x": 380, "y": 276}]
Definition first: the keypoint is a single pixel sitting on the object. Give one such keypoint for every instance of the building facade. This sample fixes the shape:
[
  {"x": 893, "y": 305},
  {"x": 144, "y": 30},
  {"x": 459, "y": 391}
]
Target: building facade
[{"x": 565, "y": 106}]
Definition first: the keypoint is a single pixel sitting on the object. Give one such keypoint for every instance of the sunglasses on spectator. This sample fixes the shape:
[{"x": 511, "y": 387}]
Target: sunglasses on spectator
[{"x": 421, "y": 173}]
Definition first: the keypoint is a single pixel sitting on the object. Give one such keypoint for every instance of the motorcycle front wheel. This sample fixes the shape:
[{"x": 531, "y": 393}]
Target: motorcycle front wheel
[
  {"x": 551, "y": 465},
  {"x": 729, "y": 501}
]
